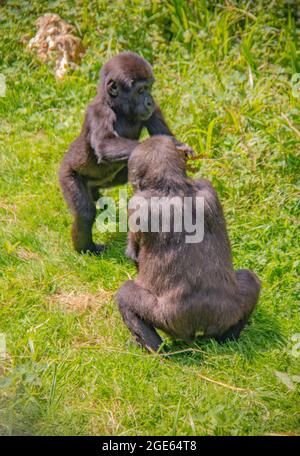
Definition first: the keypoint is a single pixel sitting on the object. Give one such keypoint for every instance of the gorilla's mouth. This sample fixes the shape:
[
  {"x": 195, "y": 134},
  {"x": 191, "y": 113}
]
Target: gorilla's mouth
[{"x": 146, "y": 114}]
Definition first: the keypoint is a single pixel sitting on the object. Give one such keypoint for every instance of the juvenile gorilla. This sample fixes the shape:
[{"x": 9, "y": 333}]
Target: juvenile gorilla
[
  {"x": 182, "y": 288},
  {"x": 110, "y": 132}
]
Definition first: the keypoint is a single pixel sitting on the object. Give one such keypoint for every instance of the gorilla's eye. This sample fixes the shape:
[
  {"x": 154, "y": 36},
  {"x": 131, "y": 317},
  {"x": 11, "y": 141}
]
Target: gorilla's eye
[
  {"x": 141, "y": 90},
  {"x": 112, "y": 88}
]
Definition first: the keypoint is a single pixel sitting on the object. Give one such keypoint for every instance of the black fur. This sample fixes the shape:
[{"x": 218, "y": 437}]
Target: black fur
[
  {"x": 111, "y": 129},
  {"x": 182, "y": 288}
]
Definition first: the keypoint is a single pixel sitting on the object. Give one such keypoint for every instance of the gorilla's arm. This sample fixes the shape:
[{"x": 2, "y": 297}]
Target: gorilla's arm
[
  {"x": 103, "y": 138},
  {"x": 157, "y": 125},
  {"x": 114, "y": 149}
]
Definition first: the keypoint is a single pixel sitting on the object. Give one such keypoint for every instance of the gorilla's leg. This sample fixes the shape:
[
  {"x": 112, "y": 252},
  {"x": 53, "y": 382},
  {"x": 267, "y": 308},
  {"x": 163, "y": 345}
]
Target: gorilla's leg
[
  {"x": 95, "y": 193},
  {"x": 79, "y": 200},
  {"x": 248, "y": 293},
  {"x": 135, "y": 304}
]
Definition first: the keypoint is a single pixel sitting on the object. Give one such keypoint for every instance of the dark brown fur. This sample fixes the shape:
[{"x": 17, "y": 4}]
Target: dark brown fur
[
  {"x": 113, "y": 123},
  {"x": 182, "y": 288}
]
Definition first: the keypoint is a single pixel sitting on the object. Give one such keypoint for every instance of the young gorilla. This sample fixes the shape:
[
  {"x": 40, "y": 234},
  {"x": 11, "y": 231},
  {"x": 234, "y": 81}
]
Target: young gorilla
[
  {"x": 182, "y": 288},
  {"x": 110, "y": 132}
]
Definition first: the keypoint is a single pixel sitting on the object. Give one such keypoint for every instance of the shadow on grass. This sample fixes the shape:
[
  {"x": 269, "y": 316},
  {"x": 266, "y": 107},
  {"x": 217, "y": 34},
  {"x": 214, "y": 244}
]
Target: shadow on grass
[{"x": 260, "y": 335}]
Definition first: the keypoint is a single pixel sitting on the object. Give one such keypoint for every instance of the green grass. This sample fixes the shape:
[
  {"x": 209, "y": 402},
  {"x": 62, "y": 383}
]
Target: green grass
[{"x": 223, "y": 80}]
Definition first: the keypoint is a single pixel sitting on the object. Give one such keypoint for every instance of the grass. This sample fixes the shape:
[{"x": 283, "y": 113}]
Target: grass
[{"x": 223, "y": 80}]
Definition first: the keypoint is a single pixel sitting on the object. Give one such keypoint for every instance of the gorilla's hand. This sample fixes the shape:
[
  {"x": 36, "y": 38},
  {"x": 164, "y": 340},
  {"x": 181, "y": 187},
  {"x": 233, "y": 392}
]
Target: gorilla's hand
[{"x": 186, "y": 149}]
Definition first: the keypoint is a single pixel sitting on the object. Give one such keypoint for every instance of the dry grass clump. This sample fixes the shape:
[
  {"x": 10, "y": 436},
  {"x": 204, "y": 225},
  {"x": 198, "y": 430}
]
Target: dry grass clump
[
  {"x": 79, "y": 303},
  {"x": 55, "y": 41}
]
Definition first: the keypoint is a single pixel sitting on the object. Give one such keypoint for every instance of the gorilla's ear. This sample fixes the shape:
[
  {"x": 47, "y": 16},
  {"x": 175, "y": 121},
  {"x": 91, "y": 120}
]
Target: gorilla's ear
[{"x": 112, "y": 88}]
